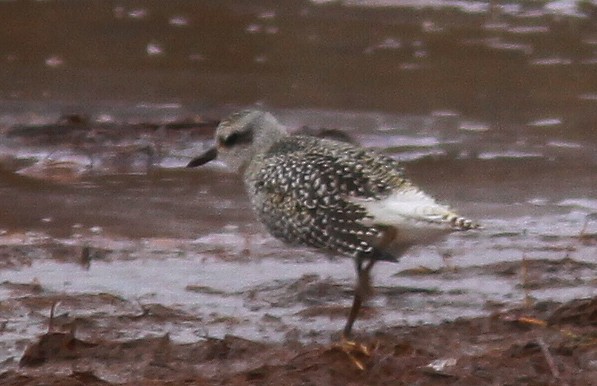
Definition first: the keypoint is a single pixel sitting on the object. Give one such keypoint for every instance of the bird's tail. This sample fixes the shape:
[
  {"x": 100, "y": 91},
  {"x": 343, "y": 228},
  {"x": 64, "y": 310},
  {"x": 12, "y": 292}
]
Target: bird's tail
[{"x": 460, "y": 223}]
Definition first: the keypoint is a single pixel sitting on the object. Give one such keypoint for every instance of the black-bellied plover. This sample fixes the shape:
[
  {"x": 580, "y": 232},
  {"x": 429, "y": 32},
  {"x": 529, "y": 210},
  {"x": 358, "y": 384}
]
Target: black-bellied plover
[{"x": 330, "y": 195}]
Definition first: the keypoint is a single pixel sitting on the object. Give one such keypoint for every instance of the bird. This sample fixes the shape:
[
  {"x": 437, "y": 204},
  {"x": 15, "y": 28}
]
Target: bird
[{"x": 330, "y": 195}]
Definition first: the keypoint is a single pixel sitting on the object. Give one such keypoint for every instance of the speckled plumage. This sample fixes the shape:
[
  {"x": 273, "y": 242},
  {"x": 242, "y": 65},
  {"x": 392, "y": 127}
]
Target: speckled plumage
[
  {"x": 307, "y": 190},
  {"x": 300, "y": 189},
  {"x": 330, "y": 195}
]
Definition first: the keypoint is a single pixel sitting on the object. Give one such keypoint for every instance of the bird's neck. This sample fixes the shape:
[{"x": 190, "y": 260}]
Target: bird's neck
[{"x": 270, "y": 133}]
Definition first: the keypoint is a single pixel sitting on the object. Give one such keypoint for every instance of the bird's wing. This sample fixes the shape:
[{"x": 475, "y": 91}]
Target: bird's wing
[{"x": 306, "y": 195}]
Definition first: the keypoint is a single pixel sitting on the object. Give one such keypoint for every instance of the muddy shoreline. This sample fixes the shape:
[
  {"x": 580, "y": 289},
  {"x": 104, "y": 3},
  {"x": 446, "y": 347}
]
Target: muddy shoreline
[
  {"x": 512, "y": 304},
  {"x": 543, "y": 344},
  {"x": 161, "y": 275}
]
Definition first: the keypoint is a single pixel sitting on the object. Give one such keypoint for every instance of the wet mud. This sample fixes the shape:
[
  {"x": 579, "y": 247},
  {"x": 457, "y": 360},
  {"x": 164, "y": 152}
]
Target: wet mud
[
  {"x": 542, "y": 344},
  {"x": 120, "y": 266},
  {"x": 175, "y": 282}
]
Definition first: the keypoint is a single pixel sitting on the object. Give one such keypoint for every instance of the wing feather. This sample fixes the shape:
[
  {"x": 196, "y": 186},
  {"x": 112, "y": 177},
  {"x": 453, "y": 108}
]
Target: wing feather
[{"x": 302, "y": 194}]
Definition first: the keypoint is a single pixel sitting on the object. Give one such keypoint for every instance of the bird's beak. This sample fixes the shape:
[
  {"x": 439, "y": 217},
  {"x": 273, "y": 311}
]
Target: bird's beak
[{"x": 204, "y": 158}]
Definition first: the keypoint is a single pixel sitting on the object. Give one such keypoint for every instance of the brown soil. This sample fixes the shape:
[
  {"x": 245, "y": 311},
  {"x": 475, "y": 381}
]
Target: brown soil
[{"x": 547, "y": 344}]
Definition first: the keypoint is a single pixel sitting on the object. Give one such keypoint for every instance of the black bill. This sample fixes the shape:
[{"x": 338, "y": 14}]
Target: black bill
[{"x": 203, "y": 158}]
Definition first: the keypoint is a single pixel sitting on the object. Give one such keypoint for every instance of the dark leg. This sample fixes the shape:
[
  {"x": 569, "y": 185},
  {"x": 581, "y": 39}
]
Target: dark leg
[{"x": 362, "y": 291}]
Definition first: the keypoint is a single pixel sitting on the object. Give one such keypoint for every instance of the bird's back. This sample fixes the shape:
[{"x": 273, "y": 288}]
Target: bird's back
[{"x": 346, "y": 199}]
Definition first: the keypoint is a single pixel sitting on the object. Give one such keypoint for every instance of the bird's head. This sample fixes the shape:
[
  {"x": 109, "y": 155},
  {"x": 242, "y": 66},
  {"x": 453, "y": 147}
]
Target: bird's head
[{"x": 240, "y": 137}]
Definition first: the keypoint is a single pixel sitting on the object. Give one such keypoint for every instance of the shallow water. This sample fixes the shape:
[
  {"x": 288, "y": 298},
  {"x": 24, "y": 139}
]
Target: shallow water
[
  {"x": 186, "y": 239},
  {"x": 492, "y": 112}
]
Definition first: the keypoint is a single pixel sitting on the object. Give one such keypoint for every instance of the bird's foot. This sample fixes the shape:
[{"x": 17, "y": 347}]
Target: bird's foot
[{"x": 357, "y": 352}]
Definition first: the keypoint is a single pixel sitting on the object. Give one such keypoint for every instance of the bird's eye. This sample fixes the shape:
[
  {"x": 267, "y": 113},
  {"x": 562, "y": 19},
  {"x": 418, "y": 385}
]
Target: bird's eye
[
  {"x": 237, "y": 138},
  {"x": 230, "y": 140}
]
